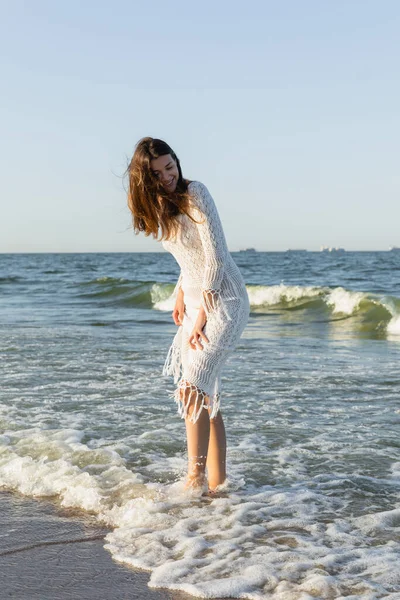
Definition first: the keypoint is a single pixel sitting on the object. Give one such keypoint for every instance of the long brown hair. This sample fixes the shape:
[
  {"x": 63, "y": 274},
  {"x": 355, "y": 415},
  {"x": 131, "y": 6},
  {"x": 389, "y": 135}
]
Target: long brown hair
[{"x": 152, "y": 207}]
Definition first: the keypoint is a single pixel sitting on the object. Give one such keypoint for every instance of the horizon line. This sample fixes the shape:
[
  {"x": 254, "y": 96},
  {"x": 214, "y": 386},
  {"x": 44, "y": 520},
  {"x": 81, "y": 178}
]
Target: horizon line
[{"x": 244, "y": 251}]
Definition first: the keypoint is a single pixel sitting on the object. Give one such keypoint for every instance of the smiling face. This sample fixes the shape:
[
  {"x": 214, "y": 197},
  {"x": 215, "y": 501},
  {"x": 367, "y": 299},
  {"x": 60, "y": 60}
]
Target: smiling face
[{"x": 166, "y": 170}]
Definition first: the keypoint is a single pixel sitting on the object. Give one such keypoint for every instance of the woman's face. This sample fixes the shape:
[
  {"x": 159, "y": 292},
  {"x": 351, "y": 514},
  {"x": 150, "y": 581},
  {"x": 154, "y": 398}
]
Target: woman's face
[{"x": 166, "y": 170}]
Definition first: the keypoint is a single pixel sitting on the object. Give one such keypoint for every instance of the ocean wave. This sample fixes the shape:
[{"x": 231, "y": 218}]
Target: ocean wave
[
  {"x": 125, "y": 292},
  {"x": 374, "y": 311},
  {"x": 282, "y": 295}
]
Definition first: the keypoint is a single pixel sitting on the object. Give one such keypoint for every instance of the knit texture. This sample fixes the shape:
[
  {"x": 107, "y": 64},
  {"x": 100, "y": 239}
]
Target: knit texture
[{"x": 208, "y": 277}]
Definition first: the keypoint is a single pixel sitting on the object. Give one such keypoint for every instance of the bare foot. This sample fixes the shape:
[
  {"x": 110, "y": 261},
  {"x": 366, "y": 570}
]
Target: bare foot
[
  {"x": 194, "y": 482},
  {"x": 214, "y": 494}
]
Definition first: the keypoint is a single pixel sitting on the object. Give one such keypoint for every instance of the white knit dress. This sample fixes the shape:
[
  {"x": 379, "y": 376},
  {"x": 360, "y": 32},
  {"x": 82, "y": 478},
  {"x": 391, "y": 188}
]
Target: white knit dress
[{"x": 206, "y": 265}]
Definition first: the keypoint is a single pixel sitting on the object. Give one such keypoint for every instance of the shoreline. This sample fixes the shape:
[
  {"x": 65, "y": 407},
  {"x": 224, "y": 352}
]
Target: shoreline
[{"x": 51, "y": 553}]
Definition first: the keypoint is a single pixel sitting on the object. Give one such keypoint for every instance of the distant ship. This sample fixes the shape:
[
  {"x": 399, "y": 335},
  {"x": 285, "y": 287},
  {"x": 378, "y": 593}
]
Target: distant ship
[
  {"x": 248, "y": 250},
  {"x": 394, "y": 249},
  {"x": 330, "y": 249}
]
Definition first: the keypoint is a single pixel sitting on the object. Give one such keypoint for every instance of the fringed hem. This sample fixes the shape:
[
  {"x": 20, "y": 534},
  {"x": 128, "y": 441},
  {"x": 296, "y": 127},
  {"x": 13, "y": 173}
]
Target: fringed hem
[
  {"x": 172, "y": 365},
  {"x": 179, "y": 395},
  {"x": 211, "y": 300}
]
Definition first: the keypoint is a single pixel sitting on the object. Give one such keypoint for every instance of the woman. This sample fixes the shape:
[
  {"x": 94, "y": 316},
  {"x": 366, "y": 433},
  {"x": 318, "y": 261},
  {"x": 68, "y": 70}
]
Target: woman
[{"x": 211, "y": 301}]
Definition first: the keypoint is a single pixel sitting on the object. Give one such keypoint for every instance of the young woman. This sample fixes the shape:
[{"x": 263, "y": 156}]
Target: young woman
[{"x": 211, "y": 302}]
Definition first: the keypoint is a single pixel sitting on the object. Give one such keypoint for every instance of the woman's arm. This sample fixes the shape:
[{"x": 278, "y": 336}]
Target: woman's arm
[
  {"x": 215, "y": 249},
  {"x": 179, "y": 308},
  {"x": 214, "y": 245}
]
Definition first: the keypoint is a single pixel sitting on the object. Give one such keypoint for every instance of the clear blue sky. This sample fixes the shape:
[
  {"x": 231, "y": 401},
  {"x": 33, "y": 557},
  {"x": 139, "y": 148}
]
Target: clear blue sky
[{"x": 288, "y": 111}]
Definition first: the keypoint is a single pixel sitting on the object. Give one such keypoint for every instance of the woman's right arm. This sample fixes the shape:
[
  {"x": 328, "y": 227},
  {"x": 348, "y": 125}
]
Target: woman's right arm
[{"x": 179, "y": 308}]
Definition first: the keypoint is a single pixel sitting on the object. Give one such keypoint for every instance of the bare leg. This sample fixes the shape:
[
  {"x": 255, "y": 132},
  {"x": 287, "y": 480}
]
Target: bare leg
[
  {"x": 216, "y": 456},
  {"x": 197, "y": 444}
]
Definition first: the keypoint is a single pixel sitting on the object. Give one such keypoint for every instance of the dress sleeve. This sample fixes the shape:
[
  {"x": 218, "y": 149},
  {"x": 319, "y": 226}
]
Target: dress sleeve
[
  {"x": 177, "y": 286},
  {"x": 214, "y": 247}
]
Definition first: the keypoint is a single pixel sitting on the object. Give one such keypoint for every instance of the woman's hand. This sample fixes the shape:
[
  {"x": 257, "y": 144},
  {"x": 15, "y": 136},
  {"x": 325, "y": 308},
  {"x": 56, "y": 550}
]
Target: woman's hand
[
  {"x": 197, "y": 337},
  {"x": 179, "y": 309}
]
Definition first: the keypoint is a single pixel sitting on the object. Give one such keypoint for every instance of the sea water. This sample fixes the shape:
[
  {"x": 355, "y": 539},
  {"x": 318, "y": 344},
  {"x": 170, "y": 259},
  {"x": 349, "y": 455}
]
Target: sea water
[{"x": 310, "y": 399}]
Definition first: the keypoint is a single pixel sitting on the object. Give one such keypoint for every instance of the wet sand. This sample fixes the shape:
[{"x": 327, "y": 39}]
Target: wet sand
[{"x": 49, "y": 553}]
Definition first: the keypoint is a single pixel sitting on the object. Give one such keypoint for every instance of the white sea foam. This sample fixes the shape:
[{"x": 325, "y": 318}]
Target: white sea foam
[
  {"x": 268, "y": 543},
  {"x": 393, "y": 327},
  {"x": 276, "y": 294},
  {"x": 56, "y": 463},
  {"x": 379, "y": 522},
  {"x": 344, "y": 301}
]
